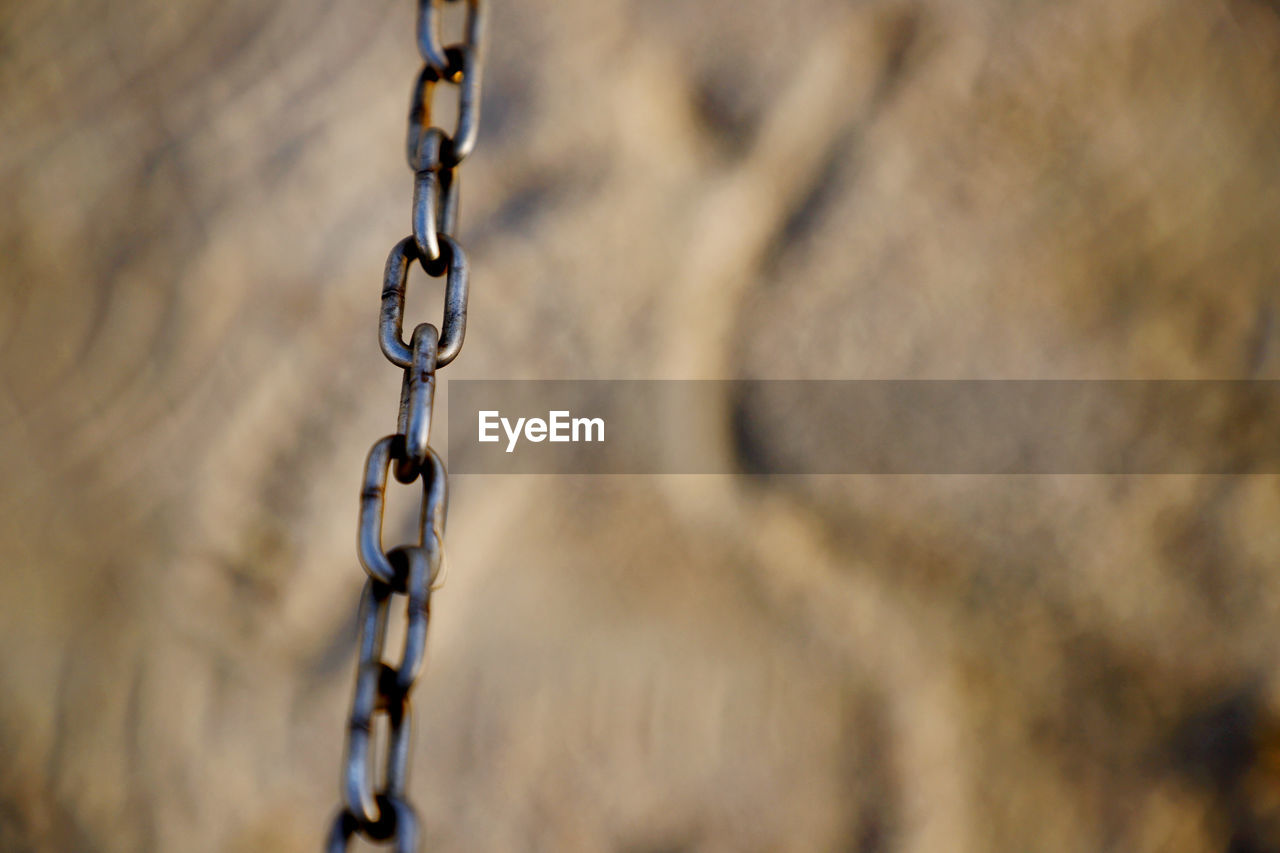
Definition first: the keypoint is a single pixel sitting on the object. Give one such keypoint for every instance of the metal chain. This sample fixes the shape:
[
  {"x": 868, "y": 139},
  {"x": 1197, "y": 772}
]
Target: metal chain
[{"x": 379, "y": 811}]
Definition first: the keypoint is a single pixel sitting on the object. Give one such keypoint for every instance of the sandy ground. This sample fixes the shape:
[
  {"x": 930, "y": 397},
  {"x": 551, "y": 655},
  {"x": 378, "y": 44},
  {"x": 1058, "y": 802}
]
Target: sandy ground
[{"x": 198, "y": 199}]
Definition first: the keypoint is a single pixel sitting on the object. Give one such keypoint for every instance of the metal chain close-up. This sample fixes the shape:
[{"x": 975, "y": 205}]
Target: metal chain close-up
[{"x": 381, "y": 812}]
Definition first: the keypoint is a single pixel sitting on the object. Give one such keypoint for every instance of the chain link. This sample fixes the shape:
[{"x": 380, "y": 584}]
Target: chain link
[{"x": 379, "y": 811}]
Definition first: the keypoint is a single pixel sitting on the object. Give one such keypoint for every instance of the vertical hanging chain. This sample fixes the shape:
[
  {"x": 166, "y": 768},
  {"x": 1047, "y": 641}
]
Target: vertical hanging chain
[{"x": 380, "y": 812}]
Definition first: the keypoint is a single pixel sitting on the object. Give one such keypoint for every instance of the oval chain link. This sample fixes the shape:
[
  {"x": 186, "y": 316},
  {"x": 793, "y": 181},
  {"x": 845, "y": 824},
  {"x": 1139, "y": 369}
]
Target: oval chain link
[{"x": 378, "y": 810}]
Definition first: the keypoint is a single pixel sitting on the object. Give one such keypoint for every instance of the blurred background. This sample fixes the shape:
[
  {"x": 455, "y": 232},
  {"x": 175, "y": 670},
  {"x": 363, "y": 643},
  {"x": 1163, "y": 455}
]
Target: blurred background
[{"x": 197, "y": 202}]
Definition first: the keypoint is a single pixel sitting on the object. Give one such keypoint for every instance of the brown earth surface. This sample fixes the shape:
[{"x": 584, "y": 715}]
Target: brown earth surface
[{"x": 198, "y": 201}]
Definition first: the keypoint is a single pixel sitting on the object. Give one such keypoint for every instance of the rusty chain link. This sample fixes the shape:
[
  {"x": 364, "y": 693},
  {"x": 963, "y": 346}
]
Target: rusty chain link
[{"x": 380, "y": 811}]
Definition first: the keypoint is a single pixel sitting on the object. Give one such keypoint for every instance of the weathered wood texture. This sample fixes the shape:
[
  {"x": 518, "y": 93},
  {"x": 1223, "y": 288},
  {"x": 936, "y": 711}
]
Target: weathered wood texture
[{"x": 198, "y": 198}]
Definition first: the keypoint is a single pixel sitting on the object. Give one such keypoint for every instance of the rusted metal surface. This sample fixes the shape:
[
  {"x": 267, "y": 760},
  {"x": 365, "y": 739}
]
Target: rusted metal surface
[{"x": 382, "y": 813}]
